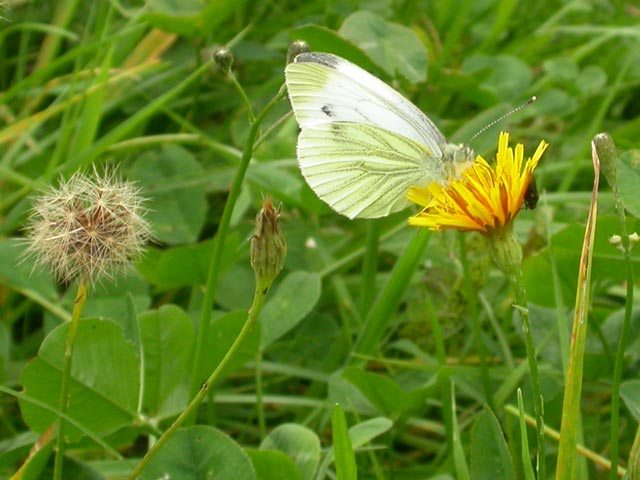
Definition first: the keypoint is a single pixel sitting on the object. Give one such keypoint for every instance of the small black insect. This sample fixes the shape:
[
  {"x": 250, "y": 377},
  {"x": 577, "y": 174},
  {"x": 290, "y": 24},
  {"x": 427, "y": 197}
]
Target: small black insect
[{"x": 531, "y": 195}]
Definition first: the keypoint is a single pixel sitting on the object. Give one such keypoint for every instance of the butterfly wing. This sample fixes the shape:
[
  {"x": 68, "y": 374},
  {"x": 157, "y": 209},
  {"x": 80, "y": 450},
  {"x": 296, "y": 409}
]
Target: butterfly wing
[
  {"x": 324, "y": 88},
  {"x": 362, "y": 144},
  {"x": 361, "y": 170}
]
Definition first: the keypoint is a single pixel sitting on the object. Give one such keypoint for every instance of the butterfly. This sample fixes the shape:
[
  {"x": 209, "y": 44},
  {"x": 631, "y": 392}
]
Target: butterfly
[{"x": 361, "y": 143}]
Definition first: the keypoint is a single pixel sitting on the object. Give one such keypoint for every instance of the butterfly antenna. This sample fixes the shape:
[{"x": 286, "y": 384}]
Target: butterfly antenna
[{"x": 501, "y": 118}]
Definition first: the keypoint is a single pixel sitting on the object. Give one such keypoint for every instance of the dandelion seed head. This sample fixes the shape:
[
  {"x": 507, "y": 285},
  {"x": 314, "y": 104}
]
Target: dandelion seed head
[{"x": 89, "y": 227}]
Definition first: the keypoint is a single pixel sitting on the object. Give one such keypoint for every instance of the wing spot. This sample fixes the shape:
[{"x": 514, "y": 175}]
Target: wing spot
[{"x": 328, "y": 110}]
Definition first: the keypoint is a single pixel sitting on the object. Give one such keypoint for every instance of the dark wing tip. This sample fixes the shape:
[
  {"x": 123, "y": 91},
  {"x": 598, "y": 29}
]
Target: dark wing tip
[{"x": 326, "y": 59}]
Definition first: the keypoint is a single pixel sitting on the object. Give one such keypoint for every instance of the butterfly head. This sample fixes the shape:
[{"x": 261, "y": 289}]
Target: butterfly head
[{"x": 456, "y": 158}]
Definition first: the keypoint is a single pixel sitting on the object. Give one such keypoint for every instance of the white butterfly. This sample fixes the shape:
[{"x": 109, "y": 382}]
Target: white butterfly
[{"x": 362, "y": 144}]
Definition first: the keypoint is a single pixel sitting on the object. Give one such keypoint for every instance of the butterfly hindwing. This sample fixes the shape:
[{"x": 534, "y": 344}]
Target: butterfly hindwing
[{"x": 361, "y": 170}]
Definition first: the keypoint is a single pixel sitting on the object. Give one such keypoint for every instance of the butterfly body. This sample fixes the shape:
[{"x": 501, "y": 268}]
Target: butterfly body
[{"x": 362, "y": 144}]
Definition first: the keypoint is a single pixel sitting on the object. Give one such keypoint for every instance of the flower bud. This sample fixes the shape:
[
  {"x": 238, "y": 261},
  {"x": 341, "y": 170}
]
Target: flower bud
[
  {"x": 296, "y": 48},
  {"x": 223, "y": 58},
  {"x": 615, "y": 240},
  {"x": 608, "y": 159},
  {"x": 268, "y": 247}
]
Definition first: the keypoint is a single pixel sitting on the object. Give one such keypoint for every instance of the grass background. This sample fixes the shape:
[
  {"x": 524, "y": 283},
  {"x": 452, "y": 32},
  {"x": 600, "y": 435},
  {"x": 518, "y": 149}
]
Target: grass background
[{"x": 412, "y": 333}]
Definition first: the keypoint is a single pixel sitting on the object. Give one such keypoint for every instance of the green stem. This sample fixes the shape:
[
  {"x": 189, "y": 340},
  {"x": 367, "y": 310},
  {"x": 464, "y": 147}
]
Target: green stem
[
  {"x": 624, "y": 336},
  {"x": 78, "y": 307},
  {"x": 218, "y": 245},
  {"x": 259, "y": 397},
  {"x": 520, "y": 296},
  {"x": 252, "y": 317}
]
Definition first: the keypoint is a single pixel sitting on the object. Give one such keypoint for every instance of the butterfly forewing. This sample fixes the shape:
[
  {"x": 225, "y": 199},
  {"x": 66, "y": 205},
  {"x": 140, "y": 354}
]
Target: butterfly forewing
[
  {"x": 324, "y": 88},
  {"x": 361, "y": 170}
]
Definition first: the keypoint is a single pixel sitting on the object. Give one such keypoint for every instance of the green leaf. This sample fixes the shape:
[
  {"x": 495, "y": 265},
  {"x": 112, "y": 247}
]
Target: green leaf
[
  {"x": 345, "y": 459},
  {"x": 510, "y": 75},
  {"x": 566, "y": 245},
  {"x": 364, "y": 432},
  {"x": 197, "y": 453},
  {"x": 459, "y": 461},
  {"x": 562, "y": 69},
  {"x": 359, "y": 435},
  {"x": 222, "y": 333},
  {"x": 629, "y": 176},
  {"x": 273, "y": 465},
  {"x": 294, "y": 298},
  {"x": 592, "y": 78},
  {"x": 36, "y": 463},
  {"x": 20, "y": 275},
  {"x": 172, "y": 179},
  {"x": 527, "y": 467},
  {"x": 322, "y": 39},
  {"x": 395, "y": 48},
  {"x": 630, "y": 393},
  {"x": 236, "y": 288},
  {"x": 490, "y": 458},
  {"x": 110, "y": 300},
  {"x": 72, "y": 469},
  {"x": 104, "y": 379},
  {"x": 167, "y": 337},
  {"x": 299, "y": 443},
  {"x": 186, "y": 265},
  {"x": 190, "y": 18},
  {"x": 382, "y": 392}
]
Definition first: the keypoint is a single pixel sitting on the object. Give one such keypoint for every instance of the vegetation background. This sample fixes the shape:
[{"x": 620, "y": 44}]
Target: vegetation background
[{"x": 420, "y": 348}]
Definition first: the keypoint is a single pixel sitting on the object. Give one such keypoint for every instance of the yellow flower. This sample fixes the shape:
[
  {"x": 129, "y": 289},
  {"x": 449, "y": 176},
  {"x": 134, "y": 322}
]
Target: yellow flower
[{"x": 484, "y": 198}]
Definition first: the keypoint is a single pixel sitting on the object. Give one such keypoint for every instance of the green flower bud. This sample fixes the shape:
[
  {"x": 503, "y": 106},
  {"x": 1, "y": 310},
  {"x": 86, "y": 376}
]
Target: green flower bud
[
  {"x": 295, "y": 49},
  {"x": 223, "y": 58},
  {"x": 608, "y": 159},
  {"x": 268, "y": 247}
]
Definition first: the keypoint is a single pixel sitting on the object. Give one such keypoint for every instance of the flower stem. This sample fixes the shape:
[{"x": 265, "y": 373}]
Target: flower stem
[
  {"x": 252, "y": 317},
  {"x": 262, "y": 426},
  {"x": 624, "y": 334},
  {"x": 78, "y": 307},
  {"x": 218, "y": 246},
  {"x": 520, "y": 295}
]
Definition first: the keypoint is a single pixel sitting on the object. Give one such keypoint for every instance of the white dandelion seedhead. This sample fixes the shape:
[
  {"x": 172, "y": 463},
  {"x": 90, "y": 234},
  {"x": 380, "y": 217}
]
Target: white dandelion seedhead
[{"x": 89, "y": 227}]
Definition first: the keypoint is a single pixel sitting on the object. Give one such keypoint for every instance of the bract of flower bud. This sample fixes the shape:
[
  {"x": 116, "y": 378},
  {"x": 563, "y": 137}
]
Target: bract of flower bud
[
  {"x": 223, "y": 58},
  {"x": 268, "y": 246},
  {"x": 296, "y": 48},
  {"x": 505, "y": 250}
]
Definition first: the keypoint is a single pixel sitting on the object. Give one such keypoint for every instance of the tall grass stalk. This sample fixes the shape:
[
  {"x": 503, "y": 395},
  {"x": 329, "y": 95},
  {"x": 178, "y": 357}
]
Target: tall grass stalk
[{"x": 570, "y": 424}]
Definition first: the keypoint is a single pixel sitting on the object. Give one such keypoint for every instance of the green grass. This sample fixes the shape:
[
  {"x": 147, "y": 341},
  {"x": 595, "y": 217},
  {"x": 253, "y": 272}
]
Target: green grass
[{"x": 411, "y": 332}]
